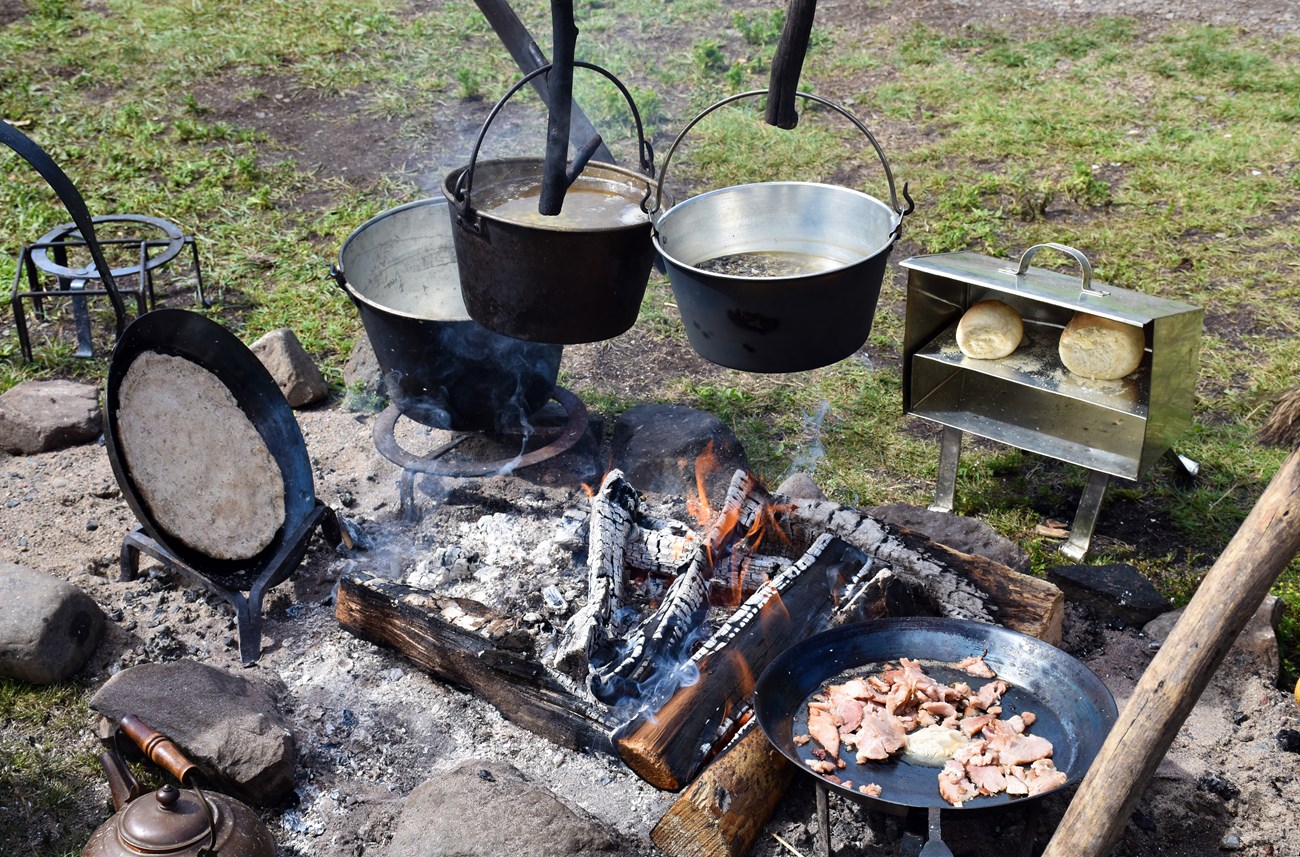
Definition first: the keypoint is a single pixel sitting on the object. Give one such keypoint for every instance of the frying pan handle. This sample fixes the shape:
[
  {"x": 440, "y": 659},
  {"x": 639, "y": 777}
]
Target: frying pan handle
[
  {"x": 788, "y": 63},
  {"x": 857, "y": 123},
  {"x": 76, "y": 206}
]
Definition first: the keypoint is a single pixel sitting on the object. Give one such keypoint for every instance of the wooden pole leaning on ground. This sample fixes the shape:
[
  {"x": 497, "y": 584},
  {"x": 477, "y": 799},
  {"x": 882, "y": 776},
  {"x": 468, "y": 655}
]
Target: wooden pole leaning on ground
[{"x": 1180, "y": 671}]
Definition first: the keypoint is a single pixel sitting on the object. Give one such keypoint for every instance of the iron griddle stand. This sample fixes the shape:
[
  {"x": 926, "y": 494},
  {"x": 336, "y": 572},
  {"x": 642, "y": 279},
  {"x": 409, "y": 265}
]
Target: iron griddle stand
[{"x": 248, "y": 608}]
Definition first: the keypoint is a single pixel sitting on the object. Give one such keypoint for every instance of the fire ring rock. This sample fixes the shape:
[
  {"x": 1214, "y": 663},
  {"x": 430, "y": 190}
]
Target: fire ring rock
[
  {"x": 295, "y": 373},
  {"x": 40, "y": 416},
  {"x": 48, "y": 628},
  {"x": 484, "y": 808},
  {"x": 228, "y": 725},
  {"x": 656, "y": 446}
]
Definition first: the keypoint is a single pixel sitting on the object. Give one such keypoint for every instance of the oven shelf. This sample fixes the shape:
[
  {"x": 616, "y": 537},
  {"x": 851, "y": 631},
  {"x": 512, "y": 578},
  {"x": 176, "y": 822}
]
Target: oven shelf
[{"x": 1036, "y": 364}]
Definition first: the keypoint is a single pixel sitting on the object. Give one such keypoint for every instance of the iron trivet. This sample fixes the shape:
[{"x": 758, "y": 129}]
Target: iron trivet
[
  {"x": 49, "y": 254},
  {"x": 432, "y": 463}
]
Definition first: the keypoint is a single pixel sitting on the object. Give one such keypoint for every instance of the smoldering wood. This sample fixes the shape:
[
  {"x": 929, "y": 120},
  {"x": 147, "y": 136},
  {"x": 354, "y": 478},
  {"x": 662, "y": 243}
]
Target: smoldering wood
[
  {"x": 667, "y": 747},
  {"x": 964, "y": 586},
  {"x": 460, "y": 651},
  {"x": 614, "y": 510}
]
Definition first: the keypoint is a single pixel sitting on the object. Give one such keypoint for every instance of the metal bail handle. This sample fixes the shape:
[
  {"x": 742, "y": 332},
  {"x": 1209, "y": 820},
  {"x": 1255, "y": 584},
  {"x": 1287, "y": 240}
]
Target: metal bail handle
[
  {"x": 67, "y": 192},
  {"x": 465, "y": 181},
  {"x": 1077, "y": 255},
  {"x": 866, "y": 132}
]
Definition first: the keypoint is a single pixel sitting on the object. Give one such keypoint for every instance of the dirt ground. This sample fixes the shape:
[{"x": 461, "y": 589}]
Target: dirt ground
[{"x": 1230, "y": 782}]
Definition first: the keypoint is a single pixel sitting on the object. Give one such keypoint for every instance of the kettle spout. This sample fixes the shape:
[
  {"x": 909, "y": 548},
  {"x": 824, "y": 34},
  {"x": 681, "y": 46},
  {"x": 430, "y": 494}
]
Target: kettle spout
[{"x": 122, "y": 784}]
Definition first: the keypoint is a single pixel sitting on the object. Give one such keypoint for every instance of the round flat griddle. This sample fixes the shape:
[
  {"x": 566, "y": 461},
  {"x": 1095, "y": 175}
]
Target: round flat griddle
[
  {"x": 1075, "y": 710},
  {"x": 191, "y": 336}
]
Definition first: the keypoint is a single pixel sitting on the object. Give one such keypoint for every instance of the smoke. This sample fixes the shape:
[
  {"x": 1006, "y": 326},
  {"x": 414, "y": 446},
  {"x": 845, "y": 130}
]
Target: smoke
[{"x": 814, "y": 451}]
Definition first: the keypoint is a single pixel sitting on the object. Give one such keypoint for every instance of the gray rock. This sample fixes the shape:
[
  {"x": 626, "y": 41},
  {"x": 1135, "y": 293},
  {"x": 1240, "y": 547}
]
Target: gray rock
[
  {"x": 1257, "y": 641},
  {"x": 656, "y": 447},
  {"x": 228, "y": 725},
  {"x": 291, "y": 366},
  {"x": 362, "y": 370},
  {"x": 968, "y": 535},
  {"x": 48, "y": 628},
  {"x": 483, "y": 809},
  {"x": 39, "y": 416},
  {"x": 800, "y": 486},
  {"x": 1117, "y": 592}
]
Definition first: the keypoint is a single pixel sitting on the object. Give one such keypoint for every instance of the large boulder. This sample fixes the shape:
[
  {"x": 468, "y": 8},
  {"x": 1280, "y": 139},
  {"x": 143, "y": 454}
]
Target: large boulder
[
  {"x": 228, "y": 725},
  {"x": 48, "y": 628},
  {"x": 484, "y": 809},
  {"x": 39, "y": 416}
]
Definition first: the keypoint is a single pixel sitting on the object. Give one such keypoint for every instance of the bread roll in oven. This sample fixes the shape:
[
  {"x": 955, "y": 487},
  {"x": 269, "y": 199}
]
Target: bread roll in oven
[
  {"x": 989, "y": 330},
  {"x": 1099, "y": 348}
]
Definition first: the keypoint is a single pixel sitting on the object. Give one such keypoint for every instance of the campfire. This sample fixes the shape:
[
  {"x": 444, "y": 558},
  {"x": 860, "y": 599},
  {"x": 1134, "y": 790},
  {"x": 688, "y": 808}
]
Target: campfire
[{"x": 642, "y": 630}]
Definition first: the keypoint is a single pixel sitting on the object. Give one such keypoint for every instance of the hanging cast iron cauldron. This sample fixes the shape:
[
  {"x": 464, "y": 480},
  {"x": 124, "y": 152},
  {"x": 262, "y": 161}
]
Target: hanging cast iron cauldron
[
  {"x": 575, "y": 277},
  {"x": 172, "y": 822},
  {"x": 778, "y": 276}
]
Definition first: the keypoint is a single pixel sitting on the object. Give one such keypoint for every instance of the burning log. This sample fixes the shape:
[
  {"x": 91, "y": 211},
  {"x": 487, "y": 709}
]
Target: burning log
[
  {"x": 452, "y": 639},
  {"x": 667, "y": 747},
  {"x": 613, "y": 518},
  {"x": 965, "y": 586}
]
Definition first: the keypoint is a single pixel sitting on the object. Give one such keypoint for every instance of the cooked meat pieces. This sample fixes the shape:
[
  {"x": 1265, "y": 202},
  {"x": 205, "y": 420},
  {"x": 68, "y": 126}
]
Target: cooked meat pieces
[
  {"x": 879, "y": 737},
  {"x": 974, "y": 665},
  {"x": 875, "y": 714},
  {"x": 870, "y": 789}
]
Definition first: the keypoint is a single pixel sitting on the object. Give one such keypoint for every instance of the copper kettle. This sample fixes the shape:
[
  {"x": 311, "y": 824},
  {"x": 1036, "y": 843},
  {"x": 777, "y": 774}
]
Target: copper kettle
[{"x": 172, "y": 822}]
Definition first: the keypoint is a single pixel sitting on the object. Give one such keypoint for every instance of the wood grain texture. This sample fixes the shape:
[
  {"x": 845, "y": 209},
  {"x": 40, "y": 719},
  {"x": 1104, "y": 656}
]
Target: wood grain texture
[{"x": 1180, "y": 671}]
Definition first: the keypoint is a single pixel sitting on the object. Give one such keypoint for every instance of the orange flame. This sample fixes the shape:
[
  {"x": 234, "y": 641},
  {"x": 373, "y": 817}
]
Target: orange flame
[{"x": 705, "y": 463}]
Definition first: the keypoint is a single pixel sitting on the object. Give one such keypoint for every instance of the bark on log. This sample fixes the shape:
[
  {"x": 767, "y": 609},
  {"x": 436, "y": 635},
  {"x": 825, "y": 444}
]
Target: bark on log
[
  {"x": 965, "y": 585},
  {"x": 407, "y": 620},
  {"x": 722, "y": 812}
]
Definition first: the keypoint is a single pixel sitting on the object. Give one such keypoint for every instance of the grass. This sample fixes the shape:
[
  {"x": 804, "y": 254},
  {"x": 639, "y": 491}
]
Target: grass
[{"x": 1169, "y": 159}]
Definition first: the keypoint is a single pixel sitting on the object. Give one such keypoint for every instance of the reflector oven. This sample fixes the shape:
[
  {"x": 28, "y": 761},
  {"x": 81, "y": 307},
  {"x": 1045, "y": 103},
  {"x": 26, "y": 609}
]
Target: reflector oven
[{"x": 1029, "y": 400}]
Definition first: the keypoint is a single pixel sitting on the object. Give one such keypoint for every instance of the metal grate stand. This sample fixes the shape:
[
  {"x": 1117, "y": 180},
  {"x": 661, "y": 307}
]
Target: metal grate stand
[
  {"x": 248, "y": 607},
  {"x": 157, "y": 243}
]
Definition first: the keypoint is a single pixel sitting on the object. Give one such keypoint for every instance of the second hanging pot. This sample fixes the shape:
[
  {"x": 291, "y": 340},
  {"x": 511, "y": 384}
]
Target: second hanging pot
[
  {"x": 778, "y": 276},
  {"x": 571, "y": 278}
]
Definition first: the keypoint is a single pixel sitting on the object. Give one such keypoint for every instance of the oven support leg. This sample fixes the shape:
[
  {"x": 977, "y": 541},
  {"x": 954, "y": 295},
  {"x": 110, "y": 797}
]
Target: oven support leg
[
  {"x": 945, "y": 490},
  {"x": 1076, "y": 547}
]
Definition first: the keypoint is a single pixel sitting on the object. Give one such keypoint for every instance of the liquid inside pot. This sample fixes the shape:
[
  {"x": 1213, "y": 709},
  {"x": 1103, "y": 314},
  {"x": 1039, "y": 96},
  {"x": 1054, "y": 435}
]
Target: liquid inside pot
[
  {"x": 773, "y": 263},
  {"x": 587, "y": 205}
]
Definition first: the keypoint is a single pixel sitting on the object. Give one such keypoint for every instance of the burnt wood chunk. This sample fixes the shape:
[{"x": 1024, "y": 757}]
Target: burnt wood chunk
[
  {"x": 460, "y": 653},
  {"x": 667, "y": 747}
]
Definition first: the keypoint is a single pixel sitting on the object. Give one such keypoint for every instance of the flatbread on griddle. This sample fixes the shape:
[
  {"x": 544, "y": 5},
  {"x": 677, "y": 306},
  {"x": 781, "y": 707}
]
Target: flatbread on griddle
[{"x": 201, "y": 468}]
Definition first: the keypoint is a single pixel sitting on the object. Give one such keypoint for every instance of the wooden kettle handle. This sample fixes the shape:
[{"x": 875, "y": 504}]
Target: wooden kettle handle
[
  {"x": 1180, "y": 671},
  {"x": 158, "y": 747}
]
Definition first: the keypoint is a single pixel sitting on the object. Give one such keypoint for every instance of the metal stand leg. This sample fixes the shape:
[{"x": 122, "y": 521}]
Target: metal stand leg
[
  {"x": 406, "y": 496},
  {"x": 1076, "y": 547},
  {"x": 945, "y": 490},
  {"x": 81, "y": 315},
  {"x": 824, "y": 818},
  {"x": 198, "y": 276}
]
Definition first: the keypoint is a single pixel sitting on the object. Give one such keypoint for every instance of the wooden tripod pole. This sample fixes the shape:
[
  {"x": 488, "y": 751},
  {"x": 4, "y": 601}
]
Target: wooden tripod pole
[{"x": 1180, "y": 671}]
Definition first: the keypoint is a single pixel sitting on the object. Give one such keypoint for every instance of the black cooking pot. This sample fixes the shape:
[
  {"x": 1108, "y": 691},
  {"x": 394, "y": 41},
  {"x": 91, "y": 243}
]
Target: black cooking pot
[
  {"x": 1075, "y": 710},
  {"x": 578, "y": 277},
  {"x": 441, "y": 368}
]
